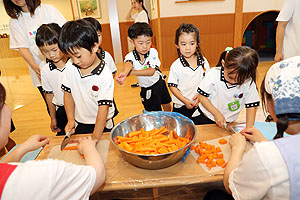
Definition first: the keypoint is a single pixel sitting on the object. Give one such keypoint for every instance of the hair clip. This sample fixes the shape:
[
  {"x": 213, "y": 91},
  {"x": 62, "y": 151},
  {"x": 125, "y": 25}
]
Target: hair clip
[{"x": 227, "y": 49}]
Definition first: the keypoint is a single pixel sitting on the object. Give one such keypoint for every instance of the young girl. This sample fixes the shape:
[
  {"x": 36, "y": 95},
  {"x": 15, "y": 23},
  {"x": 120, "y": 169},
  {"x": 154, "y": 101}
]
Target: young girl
[
  {"x": 226, "y": 89},
  {"x": 270, "y": 168},
  {"x": 51, "y": 74},
  {"x": 187, "y": 71},
  {"x": 142, "y": 13}
]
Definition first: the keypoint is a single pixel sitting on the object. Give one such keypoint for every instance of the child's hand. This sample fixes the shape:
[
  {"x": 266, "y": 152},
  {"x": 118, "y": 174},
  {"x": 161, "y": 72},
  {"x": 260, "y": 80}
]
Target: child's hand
[
  {"x": 238, "y": 142},
  {"x": 35, "y": 142},
  {"x": 220, "y": 120},
  {"x": 85, "y": 143},
  {"x": 196, "y": 99},
  {"x": 253, "y": 134},
  {"x": 53, "y": 126},
  {"x": 189, "y": 104},
  {"x": 70, "y": 125},
  {"x": 121, "y": 78}
]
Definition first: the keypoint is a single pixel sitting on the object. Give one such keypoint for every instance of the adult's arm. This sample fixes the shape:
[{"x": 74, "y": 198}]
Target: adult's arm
[
  {"x": 25, "y": 53},
  {"x": 279, "y": 40}
]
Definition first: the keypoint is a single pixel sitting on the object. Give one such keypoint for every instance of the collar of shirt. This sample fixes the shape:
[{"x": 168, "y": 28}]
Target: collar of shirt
[
  {"x": 98, "y": 69},
  {"x": 200, "y": 62},
  {"x": 52, "y": 66},
  {"x": 102, "y": 52},
  {"x": 137, "y": 56},
  {"x": 222, "y": 78}
]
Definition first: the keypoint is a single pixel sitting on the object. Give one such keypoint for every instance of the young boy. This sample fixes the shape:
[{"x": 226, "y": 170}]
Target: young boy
[
  {"x": 143, "y": 62},
  {"x": 51, "y": 74},
  {"x": 88, "y": 85}
]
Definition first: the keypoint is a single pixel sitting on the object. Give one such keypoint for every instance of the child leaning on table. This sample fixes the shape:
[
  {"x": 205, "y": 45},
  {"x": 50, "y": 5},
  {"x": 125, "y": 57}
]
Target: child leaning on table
[
  {"x": 47, "y": 179},
  {"x": 144, "y": 63},
  {"x": 227, "y": 88},
  {"x": 88, "y": 85},
  {"x": 51, "y": 74}
]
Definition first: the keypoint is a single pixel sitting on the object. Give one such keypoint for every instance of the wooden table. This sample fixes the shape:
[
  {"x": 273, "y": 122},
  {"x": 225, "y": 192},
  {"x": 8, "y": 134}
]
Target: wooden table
[{"x": 121, "y": 175}]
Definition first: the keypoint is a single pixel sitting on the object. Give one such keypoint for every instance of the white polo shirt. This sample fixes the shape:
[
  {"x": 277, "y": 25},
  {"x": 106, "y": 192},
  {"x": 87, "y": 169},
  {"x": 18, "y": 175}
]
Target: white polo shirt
[
  {"x": 49, "y": 179},
  {"x": 228, "y": 99},
  {"x": 51, "y": 77},
  {"x": 140, "y": 17},
  {"x": 23, "y": 31},
  {"x": 185, "y": 78},
  {"x": 291, "y": 13},
  {"x": 109, "y": 61},
  {"x": 89, "y": 91},
  {"x": 151, "y": 60}
]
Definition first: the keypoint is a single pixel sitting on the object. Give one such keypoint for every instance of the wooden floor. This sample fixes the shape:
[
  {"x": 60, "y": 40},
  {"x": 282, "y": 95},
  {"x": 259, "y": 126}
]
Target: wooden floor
[{"x": 29, "y": 111}]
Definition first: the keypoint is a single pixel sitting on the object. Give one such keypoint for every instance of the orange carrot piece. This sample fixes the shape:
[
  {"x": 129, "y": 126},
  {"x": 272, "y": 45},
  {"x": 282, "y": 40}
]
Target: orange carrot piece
[
  {"x": 223, "y": 141},
  {"x": 175, "y": 135},
  {"x": 220, "y": 162},
  {"x": 218, "y": 149},
  {"x": 127, "y": 146},
  {"x": 70, "y": 148},
  {"x": 224, "y": 165},
  {"x": 162, "y": 150},
  {"x": 135, "y": 133}
]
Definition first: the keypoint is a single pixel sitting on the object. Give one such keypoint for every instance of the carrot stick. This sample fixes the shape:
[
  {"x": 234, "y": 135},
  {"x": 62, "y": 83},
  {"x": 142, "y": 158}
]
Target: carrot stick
[{"x": 70, "y": 148}]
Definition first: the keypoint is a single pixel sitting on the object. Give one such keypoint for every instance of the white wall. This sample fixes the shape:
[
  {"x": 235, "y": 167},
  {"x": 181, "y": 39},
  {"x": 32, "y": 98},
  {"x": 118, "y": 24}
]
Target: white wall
[
  {"x": 168, "y": 8},
  {"x": 262, "y": 5}
]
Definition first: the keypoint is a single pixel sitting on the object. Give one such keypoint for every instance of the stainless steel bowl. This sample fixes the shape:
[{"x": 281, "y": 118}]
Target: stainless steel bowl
[{"x": 183, "y": 126}]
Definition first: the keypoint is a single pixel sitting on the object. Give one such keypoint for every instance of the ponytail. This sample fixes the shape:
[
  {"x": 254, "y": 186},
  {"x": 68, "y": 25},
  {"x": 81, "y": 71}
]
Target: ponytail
[
  {"x": 222, "y": 57},
  {"x": 282, "y": 124},
  {"x": 146, "y": 12}
]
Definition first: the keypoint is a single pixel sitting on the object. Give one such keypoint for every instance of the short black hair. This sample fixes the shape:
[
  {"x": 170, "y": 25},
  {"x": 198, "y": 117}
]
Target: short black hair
[
  {"x": 77, "y": 34},
  {"x": 95, "y": 23},
  {"x": 139, "y": 29},
  {"x": 47, "y": 34}
]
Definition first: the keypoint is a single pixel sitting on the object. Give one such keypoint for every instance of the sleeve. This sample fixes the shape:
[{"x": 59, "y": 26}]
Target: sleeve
[
  {"x": 17, "y": 38},
  {"x": 173, "y": 76},
  {"x": 287, "y": 11},
  {"x": 57, "y": 16},
  {"x": 142, "y": 17},
  {"x": 154, "y": 59},
  {"x": 111, "y": 62},
  {"x": 251, "y": 98},
  {"x": 207, "y": 84},
  {"x": 251, "y": 169},
  {"x": 129, "y": 58},
  {"x": 106, "y": 91},
  {"x": 65, "y": 85},
  {"x": 45, "y": 82}
]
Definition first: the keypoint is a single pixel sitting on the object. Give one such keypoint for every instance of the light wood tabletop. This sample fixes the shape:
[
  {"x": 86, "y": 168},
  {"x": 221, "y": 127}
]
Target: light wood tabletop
[{"x": 121, "y": 175}]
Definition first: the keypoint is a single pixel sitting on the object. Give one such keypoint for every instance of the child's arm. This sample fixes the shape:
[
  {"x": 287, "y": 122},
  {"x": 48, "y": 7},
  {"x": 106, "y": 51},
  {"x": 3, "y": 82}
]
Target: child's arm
[
  {"x": 144, "y": 72},
  {"x": 86, "y": 147},
  {"x": 219, "y": 118},
  {"x": 31, "y": 144},
  {"x": 238, "y": 145},
  {"x": 70, "y": 110},
  {"x": 5, "y": 123},
  {"x": 250, "y": 116},
  {"x": 126, "y": 70},
  {"x": 100, "y": 121},
  {"x": 188, "y": 103},
  {"x": 52, "y": 111}
]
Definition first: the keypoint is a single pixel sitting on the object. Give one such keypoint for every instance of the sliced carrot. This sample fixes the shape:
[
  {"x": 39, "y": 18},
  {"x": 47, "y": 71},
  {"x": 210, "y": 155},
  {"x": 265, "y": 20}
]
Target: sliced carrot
[
  {"x": 223, "y": 141},
  {"x": 70, "y": 148},
  {"x": 220, "y": 162}
]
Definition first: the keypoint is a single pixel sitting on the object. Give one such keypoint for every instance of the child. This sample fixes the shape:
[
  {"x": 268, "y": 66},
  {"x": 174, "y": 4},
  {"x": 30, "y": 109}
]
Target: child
[
  {"x": 88, "y": 85},
  {"x": 143, "y": 62},
  {"x": 46, "y": 179},
  {"x": 105, "y": 55},
  {"x": 271, "y": 168},
  {"x": 227, "y": 88},
  {"x": 187, "y": 71},
  {"x": 51, "y": 74}
]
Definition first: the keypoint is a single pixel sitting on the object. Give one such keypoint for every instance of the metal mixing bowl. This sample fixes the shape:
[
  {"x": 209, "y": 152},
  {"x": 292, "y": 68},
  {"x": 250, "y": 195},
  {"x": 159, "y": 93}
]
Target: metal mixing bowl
[{"x": 183, "y": 126}]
